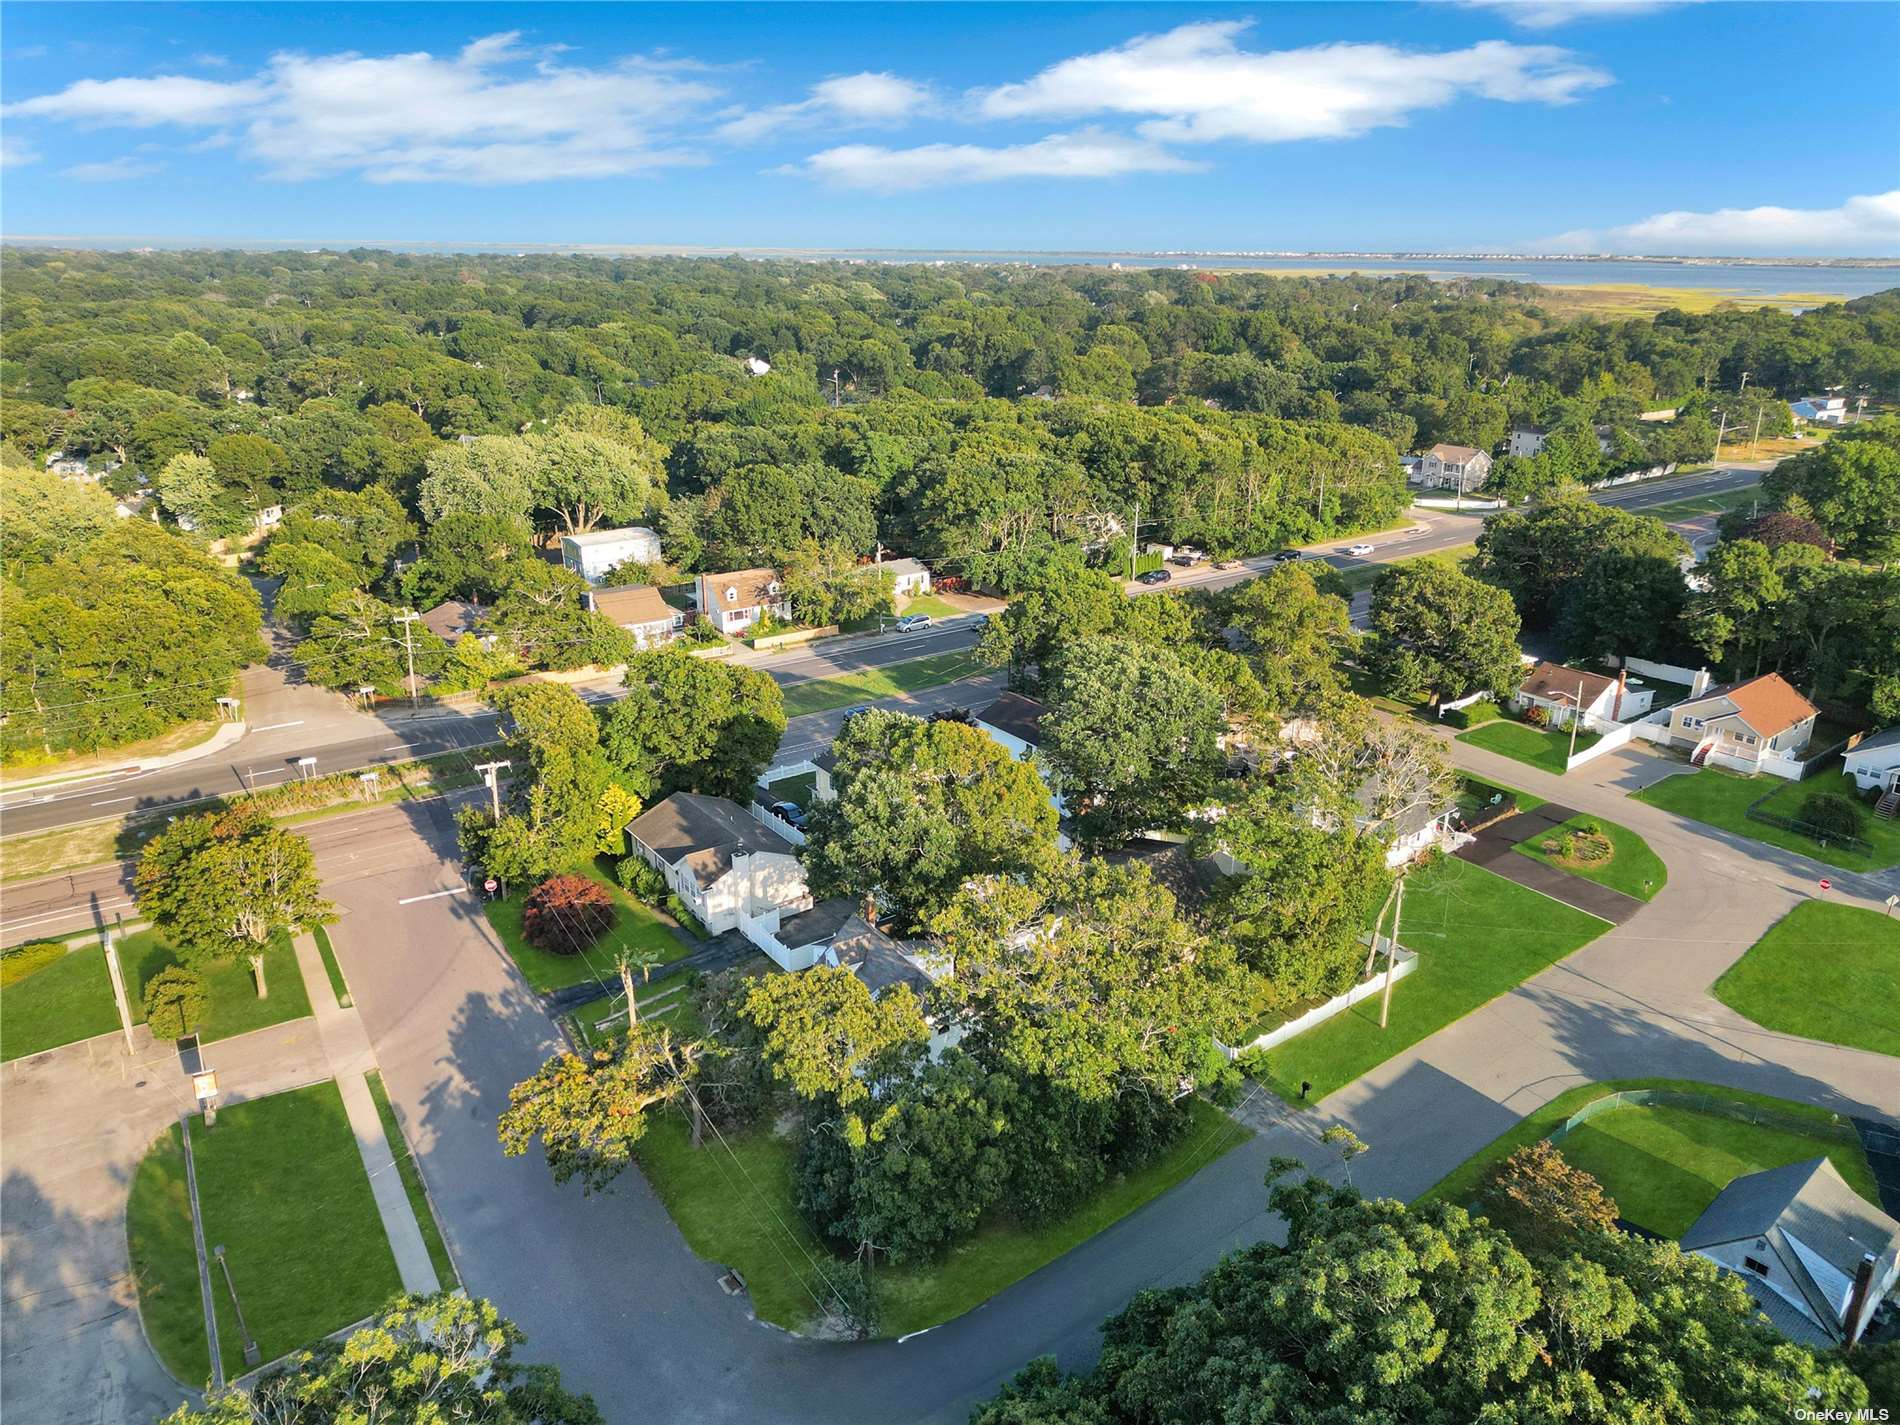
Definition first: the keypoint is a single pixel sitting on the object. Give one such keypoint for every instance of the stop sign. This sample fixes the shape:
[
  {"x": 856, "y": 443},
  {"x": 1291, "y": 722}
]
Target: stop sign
[{"x": 1826, "y": 884}]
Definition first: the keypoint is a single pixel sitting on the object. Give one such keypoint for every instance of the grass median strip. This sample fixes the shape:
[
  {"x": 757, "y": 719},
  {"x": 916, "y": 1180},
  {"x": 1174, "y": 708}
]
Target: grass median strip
[
  {"x": 1477, "y": 936},
  {"x": 164, "y": 1261},
  {"x": 1823, "y": 971},
  {"x": 870, "y": 684}
]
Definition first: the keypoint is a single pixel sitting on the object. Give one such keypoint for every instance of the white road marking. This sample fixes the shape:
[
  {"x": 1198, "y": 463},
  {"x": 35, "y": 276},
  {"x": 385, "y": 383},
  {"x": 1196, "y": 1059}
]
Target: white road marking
[
  {"x": 433, "y": 895},
  {"x": 269, "y": 772},
  {"x": 113, "y": 801},
  {"x": 275, "y": 726}
]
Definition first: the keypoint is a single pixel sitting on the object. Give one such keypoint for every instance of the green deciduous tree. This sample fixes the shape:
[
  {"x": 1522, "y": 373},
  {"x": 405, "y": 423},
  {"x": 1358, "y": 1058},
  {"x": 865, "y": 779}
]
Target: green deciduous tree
[
  {"x": 1303, "y": 895},
  {"x": 1435, "y": 630},
  {"x": 688, "y": 724},
  {"x": 1131, "y": 737},
  {"x": 823, "y": 1033},
  {"x": 425, "y": 1359},
  {"x": 920, "y": 807},
  {"x": 222, "y": 884},
  {"x": 1852, "y": 487},
  {"x": 588, "y": 1111},
  {"x": 1543, "y": 1200},
  {"x": 1536, "y": 554},
  {"x": 1294, "y": 635},
  {"x": 1086, "y": 976}
]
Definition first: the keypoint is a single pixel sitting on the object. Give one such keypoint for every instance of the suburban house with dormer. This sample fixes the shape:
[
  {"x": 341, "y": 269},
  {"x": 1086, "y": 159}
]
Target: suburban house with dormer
[
  {"x": 1454, "y": 467},
  {"x": 1759, "y": 725},
  {"x": 729, "y": 869},
  {"x": 1817, "y": 1257},
  {"x": 733, "y": 602}
]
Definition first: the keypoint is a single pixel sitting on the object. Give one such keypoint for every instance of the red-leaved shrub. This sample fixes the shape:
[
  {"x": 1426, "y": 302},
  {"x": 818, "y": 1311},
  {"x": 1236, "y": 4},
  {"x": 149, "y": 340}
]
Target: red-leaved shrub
[{"x": 565, "y": 914}]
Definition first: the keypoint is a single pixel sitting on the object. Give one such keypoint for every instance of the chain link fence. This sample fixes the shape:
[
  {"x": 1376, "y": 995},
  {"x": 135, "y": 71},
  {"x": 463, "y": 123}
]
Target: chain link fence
[{"x": 1834, "y": 1126}]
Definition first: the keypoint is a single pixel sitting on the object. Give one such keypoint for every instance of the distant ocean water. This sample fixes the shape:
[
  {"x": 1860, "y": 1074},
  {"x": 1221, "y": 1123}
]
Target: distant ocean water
[{"x": 1743, "y": 279}]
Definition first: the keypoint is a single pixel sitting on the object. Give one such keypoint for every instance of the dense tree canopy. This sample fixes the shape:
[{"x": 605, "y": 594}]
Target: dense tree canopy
[{"x": 1376, "y": 1312}]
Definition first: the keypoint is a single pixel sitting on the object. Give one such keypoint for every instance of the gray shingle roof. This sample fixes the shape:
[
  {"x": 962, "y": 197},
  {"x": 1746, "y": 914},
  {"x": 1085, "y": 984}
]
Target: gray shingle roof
[
  {"x": 819, "y": 924},
  {"x": 704, "y": 832},
  {"x": 878, "y": 960},
  {"x": 1017, "y": 715},
  {"x": 1888, "y": 738}
]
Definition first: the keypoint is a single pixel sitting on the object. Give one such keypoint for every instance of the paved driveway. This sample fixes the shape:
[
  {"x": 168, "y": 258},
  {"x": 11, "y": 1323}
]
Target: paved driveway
[{"x": 1495, "y": 849}]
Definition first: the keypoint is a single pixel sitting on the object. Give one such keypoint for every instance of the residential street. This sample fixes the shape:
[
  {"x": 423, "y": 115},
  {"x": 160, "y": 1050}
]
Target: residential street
[{"x": 288, "y": 719}]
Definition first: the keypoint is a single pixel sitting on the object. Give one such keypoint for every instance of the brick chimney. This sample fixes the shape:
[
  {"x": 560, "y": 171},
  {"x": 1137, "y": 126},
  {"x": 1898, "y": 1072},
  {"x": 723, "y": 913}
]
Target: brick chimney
[
  {"x": 1622, "y": 687},
  {"x": 1857, "y": 1299}
]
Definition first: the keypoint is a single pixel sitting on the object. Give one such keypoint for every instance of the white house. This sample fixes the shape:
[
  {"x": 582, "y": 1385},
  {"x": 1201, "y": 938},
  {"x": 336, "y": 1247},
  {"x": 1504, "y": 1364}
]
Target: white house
[
  {"x": 732, "y": 871},
  {"x": 1560, "y": 691},
  {"x": 1529, "y": 440},
  {"x": 1815, "y": 1255},
  {"x": 1409, "y": 832},
  {"x": 1760, "y": 725},
  {"x": 734, "y": 602},
  {"x": 1015, "y": 722},
  {"x": 1454, "y": 467},
  {"x": 1819, "y": 410},
  {"x": 640, "y": 610},
  {"x": 908, "y": 577},
  {"x": 592, "y": 554},
  {"x": 1874, "y": 762}
]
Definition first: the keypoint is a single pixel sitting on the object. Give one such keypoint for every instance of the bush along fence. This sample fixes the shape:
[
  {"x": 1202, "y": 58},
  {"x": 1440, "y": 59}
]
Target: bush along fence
[
  {"x": 1836, "y": 1127},
  {"x": 1824, "y": 837}
]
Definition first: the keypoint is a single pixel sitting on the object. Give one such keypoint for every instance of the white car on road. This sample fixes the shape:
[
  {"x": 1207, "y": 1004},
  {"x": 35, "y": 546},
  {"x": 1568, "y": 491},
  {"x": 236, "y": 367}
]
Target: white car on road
[{"x": 1358, "y": 550}]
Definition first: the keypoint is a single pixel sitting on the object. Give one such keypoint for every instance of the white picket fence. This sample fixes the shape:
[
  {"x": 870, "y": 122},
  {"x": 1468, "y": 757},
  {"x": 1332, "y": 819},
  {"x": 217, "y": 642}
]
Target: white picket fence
[{"x": 1406, "y": 963}]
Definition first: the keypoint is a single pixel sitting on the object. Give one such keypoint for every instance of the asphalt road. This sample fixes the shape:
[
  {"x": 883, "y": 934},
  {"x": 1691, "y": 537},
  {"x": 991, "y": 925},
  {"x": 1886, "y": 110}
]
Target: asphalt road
[{"x": 291, "y": 721}]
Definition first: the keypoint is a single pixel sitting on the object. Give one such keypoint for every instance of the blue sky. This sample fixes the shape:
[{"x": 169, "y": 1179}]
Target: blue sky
[{"x": 1624, "y": 125}]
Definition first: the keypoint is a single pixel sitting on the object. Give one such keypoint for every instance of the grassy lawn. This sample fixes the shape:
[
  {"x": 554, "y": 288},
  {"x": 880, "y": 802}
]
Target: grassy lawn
[
  {"x": 338, "y": 985},
  {"x": 1632, "y": 867},
  {"x": 1461, "y": 1184},
  {"x": 763, "y": 1236},
  {"x": 1824, "y": 971},
  {"x": 802, "y": 789},
  {"x": 282, "y": 1187},
  {"x": 439, "y": 1257},
  {"x": 930, "y": 604},
  {"x": 71, "y": 999},
  {"x": 1721, "y": 799},
  {"x": 1696, "y": 506},
  {"x": 1546, "y": 751},
  {"x": 820, "y": 694},
  {"x": 234, "y": 1005},
  {"x": 1477, "y": 935},
  {"x": 637, "y": 928},
  {"x": 165, "y": 1260}
]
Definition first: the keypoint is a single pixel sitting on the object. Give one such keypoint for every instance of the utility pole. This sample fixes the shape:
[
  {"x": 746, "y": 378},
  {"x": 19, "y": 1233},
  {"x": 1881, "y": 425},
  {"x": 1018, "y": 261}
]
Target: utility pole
[
  {"x": 117, "y": 976},
  {"x": 406, "y": 618},
  {"x": 1757, "y": 443},
  {"x": 1744, "y": 381},
  {"x": 1720, "y": 431},
  {"x": 1134, "y": 539},
  {"x": 1576, "y": 716},
  {"x": 1392, "y": 955},
  {"x": 488, "y": 770}
]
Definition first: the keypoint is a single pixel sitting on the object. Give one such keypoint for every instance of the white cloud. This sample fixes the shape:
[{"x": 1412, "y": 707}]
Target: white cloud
[
  {"x": 143, "y": 103},
  {"x": 1198, "y": 86},
  {"x": 1089, "y": 153},
  {"x": 494, "y": 113},
  {"x": 868, "y": 98},
  {"x": 1866, "y": 226},
  {"x": 1549, "y": 14},
  {"x": 112, "y": 170},
  {"x": 16, "y": 152}
]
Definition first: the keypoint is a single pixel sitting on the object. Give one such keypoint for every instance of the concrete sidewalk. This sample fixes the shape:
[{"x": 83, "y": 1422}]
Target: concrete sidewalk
[{"x": 346, "y": 1048}]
